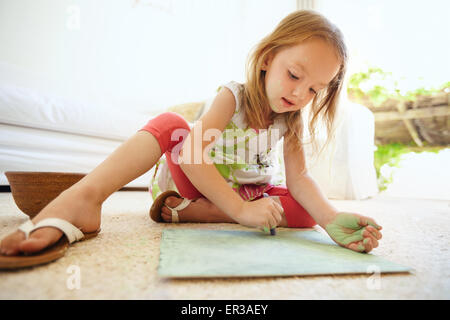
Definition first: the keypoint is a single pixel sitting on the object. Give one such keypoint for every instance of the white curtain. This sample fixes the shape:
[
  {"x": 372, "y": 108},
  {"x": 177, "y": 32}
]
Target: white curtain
[{"x": 306, "y": 4}]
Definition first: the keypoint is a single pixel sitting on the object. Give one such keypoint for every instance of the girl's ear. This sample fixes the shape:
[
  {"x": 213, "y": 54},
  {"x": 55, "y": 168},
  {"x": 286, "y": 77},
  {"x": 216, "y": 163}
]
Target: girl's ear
[{"x": 267, "y": 62}]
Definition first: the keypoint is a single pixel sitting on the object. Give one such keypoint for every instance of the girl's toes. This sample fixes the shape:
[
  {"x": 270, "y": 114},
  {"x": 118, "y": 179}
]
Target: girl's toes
[
  {"x": 40, "y": 239},
  {"x": 167, "y": 217},
  {"x": 10, "y": 244},
  {"x": 10, "y": 252},
  {"x": 33, "y": 245},
  {"x": 172, "y": 201}
]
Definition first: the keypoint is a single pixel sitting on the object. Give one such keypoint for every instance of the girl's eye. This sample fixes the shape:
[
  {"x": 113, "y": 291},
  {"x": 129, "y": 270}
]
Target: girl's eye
[
  {"x": 296, "y": 78},
  {"x": 292, "y": 76}
]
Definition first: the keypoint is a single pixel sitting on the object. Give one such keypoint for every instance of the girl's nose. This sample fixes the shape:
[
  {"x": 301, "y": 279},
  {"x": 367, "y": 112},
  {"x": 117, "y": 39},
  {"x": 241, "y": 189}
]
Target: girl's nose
[{"x": 299, "y": 92}]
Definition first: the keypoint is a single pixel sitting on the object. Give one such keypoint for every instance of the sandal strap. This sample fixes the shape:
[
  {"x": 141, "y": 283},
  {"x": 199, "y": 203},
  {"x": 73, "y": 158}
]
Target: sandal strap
[
  {"x": 175, "y": 217},
  {"x": 26, "y": 228},
  {"x": 181, "y": 206},
  {"x": 72, "y": 233}
]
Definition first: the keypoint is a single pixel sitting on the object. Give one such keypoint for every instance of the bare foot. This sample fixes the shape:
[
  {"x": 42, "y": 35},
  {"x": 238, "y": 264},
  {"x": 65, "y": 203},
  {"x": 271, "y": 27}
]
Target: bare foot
[
  {"x": 75, "y": 205},
  {"x": 199, "y": 210}
]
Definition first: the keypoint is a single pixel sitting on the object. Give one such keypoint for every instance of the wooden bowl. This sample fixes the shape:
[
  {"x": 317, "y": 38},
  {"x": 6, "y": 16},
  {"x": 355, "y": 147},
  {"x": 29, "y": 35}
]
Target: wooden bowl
[{"x": 32, "y": 191}]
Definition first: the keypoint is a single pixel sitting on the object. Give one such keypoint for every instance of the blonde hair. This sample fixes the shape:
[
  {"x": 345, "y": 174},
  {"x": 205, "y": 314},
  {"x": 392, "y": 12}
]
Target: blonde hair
[{"x": 292, "y": 30}]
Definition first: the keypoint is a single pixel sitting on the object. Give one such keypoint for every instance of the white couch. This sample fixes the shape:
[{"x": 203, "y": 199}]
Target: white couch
[{"x": 43, "y": 132}]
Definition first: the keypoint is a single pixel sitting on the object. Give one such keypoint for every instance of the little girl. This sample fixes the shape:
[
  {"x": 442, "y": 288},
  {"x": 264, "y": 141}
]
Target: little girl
[{"x": 302, "y": 61}]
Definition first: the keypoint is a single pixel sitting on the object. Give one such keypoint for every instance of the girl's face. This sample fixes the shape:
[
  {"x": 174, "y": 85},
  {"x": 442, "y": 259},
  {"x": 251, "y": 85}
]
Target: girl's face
[{"x": 295, "y": 74}]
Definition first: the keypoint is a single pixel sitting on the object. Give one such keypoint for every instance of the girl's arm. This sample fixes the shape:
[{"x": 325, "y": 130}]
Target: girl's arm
[
  {"x": 350, "y": 230},
  {"x": 304, "y": 189},
  {"x": 207, "y": 179}
]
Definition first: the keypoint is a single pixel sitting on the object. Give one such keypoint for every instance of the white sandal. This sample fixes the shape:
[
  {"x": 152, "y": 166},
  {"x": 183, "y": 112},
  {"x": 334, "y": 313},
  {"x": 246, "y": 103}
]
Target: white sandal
[
  {"x": 51, "y": 253},
  {"x": 155, "y": 210},
  {"x": 72, "y": 233},
  {"x": 181, "y": 206}
]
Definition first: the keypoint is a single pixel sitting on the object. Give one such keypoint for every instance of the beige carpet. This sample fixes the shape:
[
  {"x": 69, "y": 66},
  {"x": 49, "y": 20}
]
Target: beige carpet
[{"x": 121, "y": 262}]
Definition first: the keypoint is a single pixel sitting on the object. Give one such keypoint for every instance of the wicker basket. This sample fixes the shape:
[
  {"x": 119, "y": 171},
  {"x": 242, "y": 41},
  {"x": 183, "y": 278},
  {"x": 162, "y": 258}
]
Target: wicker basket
[{"x": 32, "y": 191}]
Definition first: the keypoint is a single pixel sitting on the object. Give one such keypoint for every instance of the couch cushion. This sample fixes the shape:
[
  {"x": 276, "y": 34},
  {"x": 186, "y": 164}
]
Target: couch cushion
[{"x": 35, "y": 109}]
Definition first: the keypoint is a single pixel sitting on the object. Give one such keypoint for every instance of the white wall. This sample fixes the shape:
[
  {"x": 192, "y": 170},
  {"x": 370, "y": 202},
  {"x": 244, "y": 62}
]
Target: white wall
[
  {"x": 409, "y": 38},
  {"x": 145, "y": 54}
]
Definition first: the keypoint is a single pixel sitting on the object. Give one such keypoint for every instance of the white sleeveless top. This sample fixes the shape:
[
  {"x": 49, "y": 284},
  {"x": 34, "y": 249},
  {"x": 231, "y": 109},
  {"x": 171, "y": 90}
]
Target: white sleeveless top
[{"x": 242, "y": 155}]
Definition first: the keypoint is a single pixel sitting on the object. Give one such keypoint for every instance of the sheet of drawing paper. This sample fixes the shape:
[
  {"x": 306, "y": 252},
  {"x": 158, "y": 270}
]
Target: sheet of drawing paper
[{"x": 192, "y": 253}]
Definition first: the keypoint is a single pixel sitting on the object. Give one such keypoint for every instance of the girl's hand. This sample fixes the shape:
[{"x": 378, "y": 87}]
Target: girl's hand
[
  {"x": 354, "y": 231},
  {"x": 264, "y": 213}
]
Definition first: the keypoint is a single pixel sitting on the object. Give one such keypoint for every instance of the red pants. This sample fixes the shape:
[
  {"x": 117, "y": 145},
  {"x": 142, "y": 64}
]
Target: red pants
[{"x": 162, "y": 127}]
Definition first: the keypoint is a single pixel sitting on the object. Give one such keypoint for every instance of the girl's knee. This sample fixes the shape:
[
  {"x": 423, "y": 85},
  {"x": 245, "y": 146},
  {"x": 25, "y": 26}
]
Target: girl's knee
[
  {"x": 170, "y": 121},
  {"x": 169, "y": 128}
]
